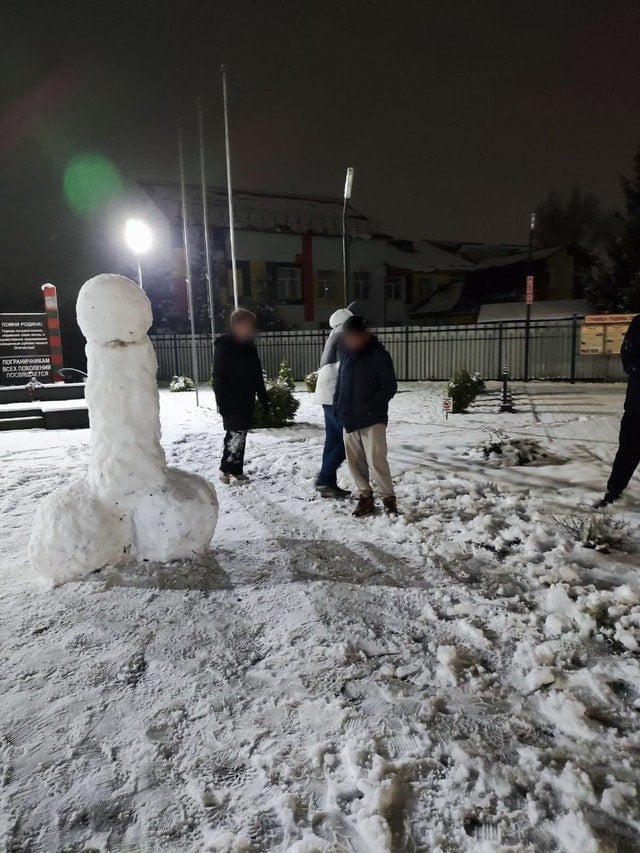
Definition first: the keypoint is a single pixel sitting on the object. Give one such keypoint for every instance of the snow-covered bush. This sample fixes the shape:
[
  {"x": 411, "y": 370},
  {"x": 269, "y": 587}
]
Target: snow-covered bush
[
  {"x": 462, "y": 391},
  {"x": 504, "y": 451},
  {"x": 285, "y": 376},
  {"x": 597, "y": 530},
  {"x": 182, "y": 383},
  {"x": 282, "y": 404},
  {"x": 282, "y": 407},
  {"x": 311, "y": 380}
]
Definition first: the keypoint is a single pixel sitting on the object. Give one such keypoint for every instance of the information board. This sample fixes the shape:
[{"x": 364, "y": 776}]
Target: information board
[
  {"x": 591, "y": 340},
  {"x": 24, "y": 348},
  {"x": 603, "y": 334}
]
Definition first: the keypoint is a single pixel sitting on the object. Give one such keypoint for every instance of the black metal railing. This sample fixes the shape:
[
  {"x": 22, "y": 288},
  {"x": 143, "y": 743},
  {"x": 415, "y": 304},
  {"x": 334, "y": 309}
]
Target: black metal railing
[{"x": 422, "y": 352}]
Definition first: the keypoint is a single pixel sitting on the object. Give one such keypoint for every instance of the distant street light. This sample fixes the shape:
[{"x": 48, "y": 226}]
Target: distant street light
[
  {"x": 348, "y": 186},
  {"x": 139, "y": 238}
]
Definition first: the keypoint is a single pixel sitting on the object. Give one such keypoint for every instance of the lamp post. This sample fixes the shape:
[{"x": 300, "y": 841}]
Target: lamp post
[
  {"x": 348, "y": 186},
  {"x": 529, "y": 297},
  {"x": 138, "y": 237}
]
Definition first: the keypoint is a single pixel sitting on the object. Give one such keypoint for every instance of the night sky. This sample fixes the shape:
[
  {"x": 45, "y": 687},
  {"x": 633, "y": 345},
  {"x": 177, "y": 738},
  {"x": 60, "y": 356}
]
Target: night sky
[{"x": 458, "y": 116}]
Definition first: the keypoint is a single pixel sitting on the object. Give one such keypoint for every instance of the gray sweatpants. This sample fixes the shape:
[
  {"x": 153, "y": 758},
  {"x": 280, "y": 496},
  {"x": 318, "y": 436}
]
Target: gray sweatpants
[{"x": 367, "y": 460}]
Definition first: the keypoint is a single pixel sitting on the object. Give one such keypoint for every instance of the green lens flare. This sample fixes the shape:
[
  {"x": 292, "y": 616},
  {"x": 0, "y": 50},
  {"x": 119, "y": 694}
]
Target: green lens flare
[{"x": 90, "y": 180}]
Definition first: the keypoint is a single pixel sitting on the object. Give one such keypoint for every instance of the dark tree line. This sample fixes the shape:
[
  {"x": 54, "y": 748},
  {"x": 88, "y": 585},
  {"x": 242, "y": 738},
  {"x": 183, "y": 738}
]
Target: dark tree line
[{"x": 612, "y": 237}]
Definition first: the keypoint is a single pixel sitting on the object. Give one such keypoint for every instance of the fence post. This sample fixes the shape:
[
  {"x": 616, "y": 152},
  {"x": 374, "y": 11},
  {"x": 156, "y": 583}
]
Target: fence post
[
  {"x": 527, "y": 343},
  {"x": 574, "y": 345},
  {"x": 175, "y": 370},
  {"x": 406, "y": 353},
  {"x": 498, "y": 371}
]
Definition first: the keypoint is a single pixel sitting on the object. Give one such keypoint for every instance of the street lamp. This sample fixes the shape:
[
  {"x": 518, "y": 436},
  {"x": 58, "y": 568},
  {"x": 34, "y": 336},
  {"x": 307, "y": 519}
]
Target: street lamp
[
  {"x": 348, "y": 186},
  {"x": 138, "y": 237},
  {"x": 529, "y": 296}
]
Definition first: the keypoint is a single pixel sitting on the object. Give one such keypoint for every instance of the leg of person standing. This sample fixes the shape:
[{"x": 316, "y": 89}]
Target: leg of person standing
[
  {"x": 628, "y": 455},
  {"x": 232, "y": 464},
  {"x": 359, "y": 470},
  {"x": 374, "y": 443},
  {"x": 333, "y": 455}
]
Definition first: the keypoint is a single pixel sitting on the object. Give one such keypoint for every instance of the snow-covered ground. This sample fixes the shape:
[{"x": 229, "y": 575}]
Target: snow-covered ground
[{"x": 463, "y": 677}]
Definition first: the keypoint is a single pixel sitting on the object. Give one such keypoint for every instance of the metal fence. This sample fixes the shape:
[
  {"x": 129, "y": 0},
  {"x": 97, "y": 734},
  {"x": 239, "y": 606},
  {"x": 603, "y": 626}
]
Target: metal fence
[{"x": 423, "y": 352}]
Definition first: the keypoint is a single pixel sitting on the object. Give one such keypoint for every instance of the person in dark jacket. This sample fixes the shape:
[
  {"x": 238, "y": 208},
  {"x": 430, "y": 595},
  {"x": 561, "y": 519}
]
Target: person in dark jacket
[
  {"x": 366, "y": 383},
  {"x": 628, "y": 455},
  {"x": 237, "y": 378}
]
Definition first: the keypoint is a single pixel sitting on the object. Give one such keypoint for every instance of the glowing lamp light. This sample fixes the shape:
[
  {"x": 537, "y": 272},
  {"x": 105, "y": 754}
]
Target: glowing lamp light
[
  {"x": 138, "y": 236},
  {"x": 348, "y": 182}
]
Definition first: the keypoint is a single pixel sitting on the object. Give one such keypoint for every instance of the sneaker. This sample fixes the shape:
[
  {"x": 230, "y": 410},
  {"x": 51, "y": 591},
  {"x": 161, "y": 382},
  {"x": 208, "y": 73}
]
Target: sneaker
[
  {"x": 365, "y": 506},
  {"x": 333, "y": 492},
  {"x": 390, "y": 505},
  {"x": 224, "y": 478},
  {"x": 606, "y": 500},
  {"x": 240, "y": 479}
]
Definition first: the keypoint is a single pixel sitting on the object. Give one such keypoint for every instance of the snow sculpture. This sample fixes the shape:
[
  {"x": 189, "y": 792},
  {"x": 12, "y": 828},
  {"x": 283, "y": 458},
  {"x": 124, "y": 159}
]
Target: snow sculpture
[{"x": 130, "y": 506}]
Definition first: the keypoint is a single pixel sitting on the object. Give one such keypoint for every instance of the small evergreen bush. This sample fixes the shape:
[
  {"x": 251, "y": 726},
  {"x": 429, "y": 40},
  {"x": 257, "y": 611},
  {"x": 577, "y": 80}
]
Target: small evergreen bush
[
  {"x": 462, "y": 391},
  {"x": 285, "y": 376},
  {"x": 311, "y": 381},
  {"x": 282, "y": 407},
  {"x": 182, "y": 383}
]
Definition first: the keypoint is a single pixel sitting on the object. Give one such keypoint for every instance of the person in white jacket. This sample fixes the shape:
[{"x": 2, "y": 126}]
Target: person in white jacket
[{"x": 333, "y": 454}]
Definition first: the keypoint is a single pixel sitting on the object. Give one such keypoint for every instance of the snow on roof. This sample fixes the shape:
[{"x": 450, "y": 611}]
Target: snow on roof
[
  {"x": 432, "y": 257},
  {"x": 552, "y": 309},
  {"x": 519, "y": 257},
  {"x": 443, "y": 301},
  {"x": 261, "y": 211},
  {"x": 477, "y": 252},
  {"x": 422, "y": 256}
]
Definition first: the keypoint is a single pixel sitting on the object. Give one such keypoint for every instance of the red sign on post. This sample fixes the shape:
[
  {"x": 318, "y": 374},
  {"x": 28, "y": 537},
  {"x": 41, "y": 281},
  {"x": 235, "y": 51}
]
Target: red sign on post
[
  {"x": 529, "y": 296},
  {"x": 50, "y": 295}
]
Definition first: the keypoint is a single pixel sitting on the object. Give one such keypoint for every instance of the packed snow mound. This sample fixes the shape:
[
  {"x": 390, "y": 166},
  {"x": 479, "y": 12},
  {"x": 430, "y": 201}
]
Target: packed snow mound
[
  {"x": 130, "y": 505},
  {"x": 74, "y": 529},
  {"x": 113, "y": 308}
]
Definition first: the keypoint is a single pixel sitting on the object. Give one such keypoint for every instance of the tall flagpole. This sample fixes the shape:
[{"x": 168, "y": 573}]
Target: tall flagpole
[
  {"x": 232, "y": 239},
  {"x": 205, "y": 225},
  {"x": 187, "y": 264}
]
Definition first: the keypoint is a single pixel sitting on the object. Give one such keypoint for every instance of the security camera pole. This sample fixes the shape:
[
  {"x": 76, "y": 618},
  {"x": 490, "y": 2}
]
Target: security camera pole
[{"x": 348, "y": 186}]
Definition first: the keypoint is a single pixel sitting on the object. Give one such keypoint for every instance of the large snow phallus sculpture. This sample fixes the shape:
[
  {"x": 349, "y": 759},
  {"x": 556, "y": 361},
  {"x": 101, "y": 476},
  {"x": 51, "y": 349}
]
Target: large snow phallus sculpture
[{"x": 131, "y": 505}]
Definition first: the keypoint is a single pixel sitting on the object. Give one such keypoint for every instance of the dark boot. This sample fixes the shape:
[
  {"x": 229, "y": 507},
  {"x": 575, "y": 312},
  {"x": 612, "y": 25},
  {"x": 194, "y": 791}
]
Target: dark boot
[
  {"x": 333, "y": 492},
  {"x": 606, "y": 500},
  {"x": 365, "y": 506},
  {"x": 390, "y": 505}
]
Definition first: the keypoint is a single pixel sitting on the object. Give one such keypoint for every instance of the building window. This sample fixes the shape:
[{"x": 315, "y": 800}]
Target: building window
[
  {"x": 361, "y": 285},
  {"x": 425, "y": 288},
  {"x": 327, "y": 284},
  {"x": 289, "y": 284},
  {"x": 395, "y": 287},
  {"x": 244, "y": 279}
]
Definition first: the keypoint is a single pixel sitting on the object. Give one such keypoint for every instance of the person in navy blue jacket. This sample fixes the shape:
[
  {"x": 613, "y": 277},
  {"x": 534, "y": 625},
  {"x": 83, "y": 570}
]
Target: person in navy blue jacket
[
  {"x": 366, "y": 383},
  {"x": 628, "y": 455}
]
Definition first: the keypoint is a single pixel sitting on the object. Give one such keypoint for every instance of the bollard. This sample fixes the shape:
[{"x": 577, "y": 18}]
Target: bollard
[{"x": 506, "y": 402}]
